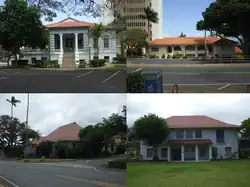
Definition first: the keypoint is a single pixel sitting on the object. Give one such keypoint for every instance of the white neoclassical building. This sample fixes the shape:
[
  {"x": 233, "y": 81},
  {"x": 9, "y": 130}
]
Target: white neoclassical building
[{"x": 70, "y": 42}]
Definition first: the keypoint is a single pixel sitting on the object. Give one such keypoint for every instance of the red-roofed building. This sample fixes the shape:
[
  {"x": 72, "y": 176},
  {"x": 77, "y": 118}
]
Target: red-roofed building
[
  {"x": 70, "y": 42},
  {"x": 193, "y": 47},
  {"x": 196, "y": 138}
]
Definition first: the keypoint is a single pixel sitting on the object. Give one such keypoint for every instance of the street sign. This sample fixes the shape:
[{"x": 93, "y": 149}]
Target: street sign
[{"x": 153, "y": 82}]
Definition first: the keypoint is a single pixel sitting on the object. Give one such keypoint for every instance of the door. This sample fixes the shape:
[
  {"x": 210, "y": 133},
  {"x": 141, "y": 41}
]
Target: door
[
  {"x": 176, "y": 154},
  {"x": 68, "y": 44}
]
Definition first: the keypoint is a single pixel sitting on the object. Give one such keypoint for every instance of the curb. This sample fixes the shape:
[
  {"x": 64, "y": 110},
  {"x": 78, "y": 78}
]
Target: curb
[{"x": 6, "y": 183}]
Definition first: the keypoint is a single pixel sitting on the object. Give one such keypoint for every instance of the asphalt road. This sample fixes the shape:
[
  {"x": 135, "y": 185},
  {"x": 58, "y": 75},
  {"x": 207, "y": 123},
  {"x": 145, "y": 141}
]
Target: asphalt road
[
  {"x": 204, "y": 75},
  {"x": 60, "y": 175},
  {"x": 80, "y": 81}
]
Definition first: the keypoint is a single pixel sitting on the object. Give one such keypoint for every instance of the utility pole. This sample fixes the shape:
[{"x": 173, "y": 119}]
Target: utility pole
[{"x": 205, "y": 38}]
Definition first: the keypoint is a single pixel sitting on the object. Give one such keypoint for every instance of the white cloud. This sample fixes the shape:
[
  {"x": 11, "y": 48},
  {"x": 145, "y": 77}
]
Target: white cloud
[
  {"x": 49, "y": 111},
  {"x": 230, "y": 108}
]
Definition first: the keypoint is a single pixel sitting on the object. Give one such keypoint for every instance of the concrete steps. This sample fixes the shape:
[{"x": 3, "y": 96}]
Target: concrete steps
[{"x": 68, "y": 60}]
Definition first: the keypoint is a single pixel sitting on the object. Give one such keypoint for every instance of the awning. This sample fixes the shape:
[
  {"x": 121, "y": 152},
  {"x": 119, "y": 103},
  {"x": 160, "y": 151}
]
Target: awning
[{"x": 204, "y": 141}]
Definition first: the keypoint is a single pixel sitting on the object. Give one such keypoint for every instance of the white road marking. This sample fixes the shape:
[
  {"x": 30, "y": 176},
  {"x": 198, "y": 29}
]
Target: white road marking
[
  {"x": 95, "y": 169},
  {"x": 79, "y": 76},
  {"x": 2, "y": 78},
  {"x": 105, "y": 80},
  {"x": 221, "y": 88},
  {"x": 7, "y": 181}
]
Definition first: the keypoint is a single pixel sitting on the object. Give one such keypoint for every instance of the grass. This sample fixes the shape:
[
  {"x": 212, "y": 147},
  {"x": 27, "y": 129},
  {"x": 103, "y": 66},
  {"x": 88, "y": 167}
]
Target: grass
[
  {"x": 36, "y": 160},
  {"x": 203, "y": 174}
]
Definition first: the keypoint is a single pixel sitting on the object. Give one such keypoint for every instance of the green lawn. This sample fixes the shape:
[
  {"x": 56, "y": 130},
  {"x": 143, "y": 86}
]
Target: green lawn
[{"x": 203, "y": 174}]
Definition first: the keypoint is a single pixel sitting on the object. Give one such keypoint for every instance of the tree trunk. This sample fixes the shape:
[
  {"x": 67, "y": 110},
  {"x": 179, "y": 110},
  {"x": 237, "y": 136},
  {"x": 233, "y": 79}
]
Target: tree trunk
[
  {"x": 155, "y": 153},
  {"x": 11, "y": 111}
]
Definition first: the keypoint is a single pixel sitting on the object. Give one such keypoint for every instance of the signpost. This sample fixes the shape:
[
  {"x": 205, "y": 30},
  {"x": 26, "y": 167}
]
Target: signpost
[{"x": 153, "y": 82}]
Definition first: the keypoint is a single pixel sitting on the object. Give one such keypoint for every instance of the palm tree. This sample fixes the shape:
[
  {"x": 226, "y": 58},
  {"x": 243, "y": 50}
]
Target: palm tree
[
  {"x": 13, "y": 103},
  {"x": 152, "y": 17},
  {"x": 120, "y": 23},
  {"x": 183, "y": 35},
  {"x": 96, "y": 32}
]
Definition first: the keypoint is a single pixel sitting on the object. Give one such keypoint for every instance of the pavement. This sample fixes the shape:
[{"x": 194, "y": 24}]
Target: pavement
[
  {"x": 54, "y": 81},
  {"x": 206, "y": 75},
  {"x": 208, "y": 88},
  {"x": 87, "y": 173}
]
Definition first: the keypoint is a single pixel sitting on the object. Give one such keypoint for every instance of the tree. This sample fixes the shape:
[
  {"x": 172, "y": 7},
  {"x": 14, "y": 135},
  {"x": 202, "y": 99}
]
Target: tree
[
  {"x": 20, "y": 25},
  {"x": 135, "y": 40},
  {"x": 152, "y": 17},
  {"x": 13, "y": 101},
  {"x": 95, "y": 33},
  {"x": 183, "y": 35},
  {"x": 228, "y": 18},
  {"x": 245, "y": 128},
  {"x": 135, "y": 82},
  {"x": 152, "y": 129}
]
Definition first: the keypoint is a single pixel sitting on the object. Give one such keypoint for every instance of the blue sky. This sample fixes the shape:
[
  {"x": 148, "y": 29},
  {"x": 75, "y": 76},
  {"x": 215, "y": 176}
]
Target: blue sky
[{"x": 178, "y": 16}]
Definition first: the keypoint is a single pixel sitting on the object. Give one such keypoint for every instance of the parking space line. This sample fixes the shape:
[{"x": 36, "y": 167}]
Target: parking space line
[
  {"x": 3, "y": 78},
  {"x": 105, "y": 80},
  {"x": 79, "y": 76},
  {"x": 223, "y": 87}
]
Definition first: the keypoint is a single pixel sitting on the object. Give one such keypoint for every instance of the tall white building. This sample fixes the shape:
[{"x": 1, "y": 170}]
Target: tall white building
[{"x": 132, "y": 9}]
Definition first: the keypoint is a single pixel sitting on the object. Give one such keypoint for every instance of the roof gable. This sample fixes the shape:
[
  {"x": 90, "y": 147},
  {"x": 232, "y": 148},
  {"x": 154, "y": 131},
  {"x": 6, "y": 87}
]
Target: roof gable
[{"x": 198, "y": 121}]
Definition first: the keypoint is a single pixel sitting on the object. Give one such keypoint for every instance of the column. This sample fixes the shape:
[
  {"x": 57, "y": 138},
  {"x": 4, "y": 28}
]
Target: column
[
  {"x": 196, "y": 51},
  {"x": 182, "y": 153},
  {"x": 210, "y": 152},
  {"x": 76, "y": 42},
  {"x": 169, "y": 153},
  {"x": 196, "y": 152},
  {"x": 61, "y": 43},
  {"x": 172, "y": 50}
]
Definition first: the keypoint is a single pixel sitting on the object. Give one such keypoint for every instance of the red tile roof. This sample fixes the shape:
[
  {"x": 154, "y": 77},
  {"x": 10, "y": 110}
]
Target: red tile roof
[
  {"x": 198, "y": 121},
  {"x": 184, "y": 41},
  {"x": 70, "y": 22},
  {"x": 204, "y": 141},
  {"x": 67, "y": 132}
]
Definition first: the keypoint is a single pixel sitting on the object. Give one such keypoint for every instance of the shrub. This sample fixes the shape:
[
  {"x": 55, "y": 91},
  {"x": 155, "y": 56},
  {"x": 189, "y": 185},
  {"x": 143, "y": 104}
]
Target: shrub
[
  {"x": 120, "y": 149},
  {"x": 20, "y": 62},
  {"x": 119, "y": 163},
  {"x": 177, "y": 56},
  {"x": 82, "y": 64},
  {"x": 135, "y": 82},
  {"x": 152, "y": 56},
  {"x": 184, "y": 57},
  {"x": 244, "y": 153},
  {"x": 121, "y": 60},
  {"x": 45, "y": 148},
  {"x": 163, "y": 56},
  {"x": 238, "y": 57},
  {"x": 97, "y": 62},
  {"x": 168, "y": 56}
]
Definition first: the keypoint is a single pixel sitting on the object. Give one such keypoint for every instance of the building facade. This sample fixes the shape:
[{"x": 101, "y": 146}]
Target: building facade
[
  {"x": 70, "y": 42},
  {"x": 193, "y": 47},
  {"x": 133, "y": 9},
  {"x": 195, "y": 138}
]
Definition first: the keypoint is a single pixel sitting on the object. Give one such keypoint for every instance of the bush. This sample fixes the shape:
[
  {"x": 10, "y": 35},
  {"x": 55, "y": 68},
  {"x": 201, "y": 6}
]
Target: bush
[
  {"x": 97, "y": 63},
  {"x": 82, "y": 64},
  {"x": 120, "y": 149},
  {"x": 135, "y": 82},
  {"x": 152, "y": 56},
  {"x": 119, "y": 163},
  {"x": 177, "y": 56},
  {"x": 45, "y": 148},
  {"x": 185, "y": 57},
  {"x": 168, "y": 56},
  {"x": 20, "y": 62},
  {"x": 163, "y": 56},
  {"x": 244, "y": 153},
  {"x": 47, "y": 64},
  {"x": 121, "y": 60},
  {"x": 238, "y": 57}
]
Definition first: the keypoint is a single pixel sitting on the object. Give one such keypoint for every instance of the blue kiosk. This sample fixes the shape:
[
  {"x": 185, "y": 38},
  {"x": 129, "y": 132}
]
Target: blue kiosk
[{"x": 153, "y": 81}]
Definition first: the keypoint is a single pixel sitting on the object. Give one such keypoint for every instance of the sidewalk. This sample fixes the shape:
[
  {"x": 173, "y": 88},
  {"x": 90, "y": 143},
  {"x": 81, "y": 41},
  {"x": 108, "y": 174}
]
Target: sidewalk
[{"x": 187, "y": 65}]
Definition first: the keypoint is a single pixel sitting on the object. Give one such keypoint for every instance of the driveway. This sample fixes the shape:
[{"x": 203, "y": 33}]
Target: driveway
[
  {"x": 49, "y": 81},
  {"x": 60, "y": 175}
]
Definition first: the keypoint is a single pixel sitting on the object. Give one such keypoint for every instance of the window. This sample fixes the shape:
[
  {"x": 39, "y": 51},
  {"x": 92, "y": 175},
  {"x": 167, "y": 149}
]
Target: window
[
  {"x": 189, "y": 134},
  {"x": 44, "y": 59},
  {"x": 106, "y": 43},
  {"x": 33, "y": 60},
  {"x": 169, "y": 49},
  {"x": 198, "y": 134},
  {"x": 164, "y": 152},
  {"x": 214, "y": 152},
  {"x": 154, "y": 49},
  {"x": 179, "y": 134},
  {"x": 220, "y": 136},
  {"x": 228, "y": 151},
  {"x": 106, "y": 58},
  {"x": 149, "y": 152}
]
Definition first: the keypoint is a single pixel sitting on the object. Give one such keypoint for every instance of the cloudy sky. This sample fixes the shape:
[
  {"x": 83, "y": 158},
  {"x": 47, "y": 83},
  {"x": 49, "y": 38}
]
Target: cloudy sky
[
  {"x": 49, "y": 111},
  {"x": 230, "y": 108}
]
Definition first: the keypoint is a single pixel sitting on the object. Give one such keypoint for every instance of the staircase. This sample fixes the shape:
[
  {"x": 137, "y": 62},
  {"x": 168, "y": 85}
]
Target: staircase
[{"x": 68, "y": 60}]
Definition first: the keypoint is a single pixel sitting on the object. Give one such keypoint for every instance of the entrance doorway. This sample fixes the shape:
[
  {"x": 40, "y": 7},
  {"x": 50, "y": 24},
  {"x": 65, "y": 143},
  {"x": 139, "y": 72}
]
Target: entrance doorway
[
  {"x": 69, "y": 43},
  {"x": 176, "y": 154}
]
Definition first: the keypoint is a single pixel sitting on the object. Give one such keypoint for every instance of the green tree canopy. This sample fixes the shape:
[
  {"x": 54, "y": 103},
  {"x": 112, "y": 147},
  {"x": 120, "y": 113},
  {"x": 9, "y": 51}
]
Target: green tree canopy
[
  {"x": 183, "y": 35},
  {"x": 152, "y": 129},
  {"x": 20, "y": 25},
  {"x": 245, "y": 128},
  {"x": 228, "y": 18}
]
